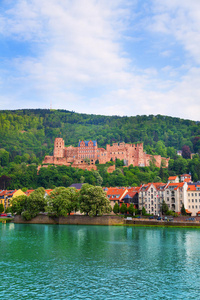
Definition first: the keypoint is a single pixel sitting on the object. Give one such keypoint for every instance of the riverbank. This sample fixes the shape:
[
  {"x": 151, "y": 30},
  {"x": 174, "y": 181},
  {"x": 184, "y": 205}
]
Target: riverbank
[{"x": 105, "y": 220}]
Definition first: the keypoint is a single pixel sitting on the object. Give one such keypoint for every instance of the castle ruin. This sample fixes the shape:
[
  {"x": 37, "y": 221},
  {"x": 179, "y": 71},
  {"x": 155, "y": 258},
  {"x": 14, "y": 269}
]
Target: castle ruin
[{"x": 85, "y": 155}]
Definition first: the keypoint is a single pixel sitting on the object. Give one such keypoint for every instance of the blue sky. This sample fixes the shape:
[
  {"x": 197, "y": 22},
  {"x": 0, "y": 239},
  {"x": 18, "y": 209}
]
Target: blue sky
[{"x": 102, "y": 57}]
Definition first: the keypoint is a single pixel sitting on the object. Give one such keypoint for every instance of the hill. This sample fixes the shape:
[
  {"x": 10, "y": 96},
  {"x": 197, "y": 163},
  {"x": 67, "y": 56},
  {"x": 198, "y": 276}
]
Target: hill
[
  {"x": 27, "y": 135},
  {"x": 33, "y": 131}
]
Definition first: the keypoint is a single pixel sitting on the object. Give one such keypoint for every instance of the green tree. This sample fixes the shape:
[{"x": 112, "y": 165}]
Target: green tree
[
  {"x": 32, "y": 205},
  {"x": 93, "y": 200},
  {"x": 131, "y": 209},
  {"x": 116, "y": 208},
  {"x": 19, "y": 204},
  {"x": 4, "y": 157},
  {"x": 144, "y": 211},
  {"x": 1, "y": 208},
  {"x": 183, "y": 211},
  {"x": 98, "y": 178},
  {"x": 123, "y": 208},
  {"x": 164, "y": 207},
  {"x": 62, "y": 201},
  {"x": 82, "y": 179}
]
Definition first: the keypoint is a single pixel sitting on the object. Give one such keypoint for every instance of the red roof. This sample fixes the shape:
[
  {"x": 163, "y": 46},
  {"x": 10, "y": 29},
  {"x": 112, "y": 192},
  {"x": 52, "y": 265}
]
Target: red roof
[
  {"x": 115, "y": 193},
  {"x": 28, "y": 192},
  {"x": 187, "y": 180},
  {"x": 172, "y": 177},
  {"x": 193, "y": 187},
  {"x": 48, "y": 191},
  {"x": 176, "y": 185}
]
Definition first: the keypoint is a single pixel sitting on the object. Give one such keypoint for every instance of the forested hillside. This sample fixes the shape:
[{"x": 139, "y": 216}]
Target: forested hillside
[
  {"x": 26, "y": 136},
  {"x": 33, "y": 131}
]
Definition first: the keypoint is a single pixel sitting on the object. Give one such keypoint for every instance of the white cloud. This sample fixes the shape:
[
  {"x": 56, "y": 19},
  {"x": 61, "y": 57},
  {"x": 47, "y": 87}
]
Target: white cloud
[{"x": 78, "y": 58}]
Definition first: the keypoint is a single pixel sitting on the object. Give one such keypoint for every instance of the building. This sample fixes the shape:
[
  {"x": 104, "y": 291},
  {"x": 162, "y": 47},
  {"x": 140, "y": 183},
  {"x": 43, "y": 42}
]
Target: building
[
  {"x": 115, "y": 195},
  {"x": 186, "y": 178},
  {"x": 85, "y": 155},
  {"x": 193, "y": 199},
  {"x": 173, "y": 179},
  {"x": 6, "y": 197},
  {"x": 151, "y": 196},
  {"x": 175, "y": 195}
]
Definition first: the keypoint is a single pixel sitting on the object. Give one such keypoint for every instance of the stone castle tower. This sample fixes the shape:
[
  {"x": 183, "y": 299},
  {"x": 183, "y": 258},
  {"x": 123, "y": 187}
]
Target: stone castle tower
[{"x": 59, "y": 148}]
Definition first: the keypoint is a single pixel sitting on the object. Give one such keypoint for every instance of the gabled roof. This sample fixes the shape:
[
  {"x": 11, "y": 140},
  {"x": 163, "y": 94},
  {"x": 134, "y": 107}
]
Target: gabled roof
[
  {"x": 172, "y": 177},
  {"x": 86, "y": 143},
  {"x": 116, "y": 193},
  {"x": 2, "y": 193}
]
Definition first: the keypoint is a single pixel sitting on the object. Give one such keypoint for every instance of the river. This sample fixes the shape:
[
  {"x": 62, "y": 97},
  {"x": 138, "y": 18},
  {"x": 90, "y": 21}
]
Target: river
[{"x": 98, "y": 262}]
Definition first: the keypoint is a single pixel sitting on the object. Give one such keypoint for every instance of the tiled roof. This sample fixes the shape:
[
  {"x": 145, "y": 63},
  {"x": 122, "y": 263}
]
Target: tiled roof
[
  {"x": 116, "y": 193},
  {"x": 193, "y": 187},
  {"x": 172, "y": 177},
  {"x": 3, "y": 192},
  {"x": 187, "y": 180}
]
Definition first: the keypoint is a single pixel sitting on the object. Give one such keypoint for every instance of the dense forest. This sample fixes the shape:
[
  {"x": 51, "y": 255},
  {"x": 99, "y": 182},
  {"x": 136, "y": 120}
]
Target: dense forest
[{"x": 27, "y": 135}]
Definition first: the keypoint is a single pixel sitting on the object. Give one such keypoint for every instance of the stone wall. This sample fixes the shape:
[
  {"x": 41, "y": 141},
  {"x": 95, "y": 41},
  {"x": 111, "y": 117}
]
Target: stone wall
[{"x": 72, "y": 220}]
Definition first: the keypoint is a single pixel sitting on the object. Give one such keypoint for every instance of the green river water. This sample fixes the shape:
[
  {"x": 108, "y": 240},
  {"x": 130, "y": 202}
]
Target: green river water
[{"x": 98, "y": 262}]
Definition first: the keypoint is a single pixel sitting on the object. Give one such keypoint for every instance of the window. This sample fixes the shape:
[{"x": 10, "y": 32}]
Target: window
[
  {"x": 188, "y": 200},
  {"x": 192, "y": 200}
]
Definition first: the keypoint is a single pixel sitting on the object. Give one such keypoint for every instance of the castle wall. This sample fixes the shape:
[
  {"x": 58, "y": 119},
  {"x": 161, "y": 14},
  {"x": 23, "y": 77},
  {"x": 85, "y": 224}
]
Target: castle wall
[{"x": 130, "y": 153}]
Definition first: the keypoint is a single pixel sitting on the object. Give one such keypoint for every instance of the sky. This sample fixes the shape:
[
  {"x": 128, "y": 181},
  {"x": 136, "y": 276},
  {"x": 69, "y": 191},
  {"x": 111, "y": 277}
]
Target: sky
[{"x": 115, "y": 57}]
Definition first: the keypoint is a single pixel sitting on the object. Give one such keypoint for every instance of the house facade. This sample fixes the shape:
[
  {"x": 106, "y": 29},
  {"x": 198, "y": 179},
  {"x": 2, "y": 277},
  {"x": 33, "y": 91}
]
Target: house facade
[{"x": 193, "y": 199}]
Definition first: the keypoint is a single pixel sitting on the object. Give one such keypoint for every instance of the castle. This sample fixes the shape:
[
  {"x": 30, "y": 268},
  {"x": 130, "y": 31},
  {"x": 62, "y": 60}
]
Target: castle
[{"x": 87, "y": 152}]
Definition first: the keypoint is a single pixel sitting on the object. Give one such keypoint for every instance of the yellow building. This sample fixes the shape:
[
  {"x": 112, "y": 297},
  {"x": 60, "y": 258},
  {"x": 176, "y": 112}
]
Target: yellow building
[{"x": 7, "y": 195}]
